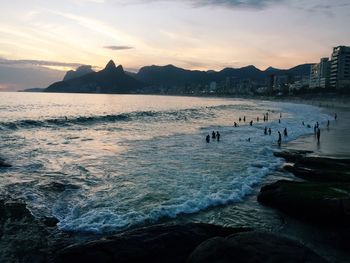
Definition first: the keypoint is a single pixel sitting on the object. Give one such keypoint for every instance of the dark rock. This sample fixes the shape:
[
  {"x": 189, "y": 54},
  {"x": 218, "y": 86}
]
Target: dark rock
[
  {"x": 22, "y": 238},
  {"x": 326, "y": 203},
  {"x": 161, "y": 243},
  {"x": 252, "y": 247},
  {"x": 292, "y": 155},
  {"x": 319, "y": 174},
  {"x": 50, "y": 221}
]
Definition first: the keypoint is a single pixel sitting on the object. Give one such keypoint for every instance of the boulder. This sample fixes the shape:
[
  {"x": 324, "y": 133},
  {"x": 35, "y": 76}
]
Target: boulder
[
  {"x": 318, "y": 202},
  {"x": 22, "y": 238},
  {"x": 160, "y": 243},
  {"x": 252, "y": 247}
]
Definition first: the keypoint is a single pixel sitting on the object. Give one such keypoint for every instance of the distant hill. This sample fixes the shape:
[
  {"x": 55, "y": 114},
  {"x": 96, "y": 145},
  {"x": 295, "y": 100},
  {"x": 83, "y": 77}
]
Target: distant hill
[
  {"x": 81, "y": 71},
  {"x": 32, "y": 90},
  {"x": 111, "y": 79},
  {"x": 170, "y": 75}
]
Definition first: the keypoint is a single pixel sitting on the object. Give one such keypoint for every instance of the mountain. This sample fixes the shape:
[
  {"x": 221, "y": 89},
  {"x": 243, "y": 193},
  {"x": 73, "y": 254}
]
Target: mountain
[
  {"x": 32, "y": 90},
  {"x": 81, "y": 71},
  {"x": 170, "y": 75},
  {"x": 111, "y": 79}
]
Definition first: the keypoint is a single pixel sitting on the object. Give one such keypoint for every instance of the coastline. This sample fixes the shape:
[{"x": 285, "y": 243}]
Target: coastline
[
  {"x": 287, "y": 226},
  {"x": 326, "y": 240}
]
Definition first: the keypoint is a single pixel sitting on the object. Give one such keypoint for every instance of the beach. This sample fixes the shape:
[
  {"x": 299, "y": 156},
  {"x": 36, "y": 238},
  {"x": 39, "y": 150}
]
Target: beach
[{"x": 74, "y": 201}]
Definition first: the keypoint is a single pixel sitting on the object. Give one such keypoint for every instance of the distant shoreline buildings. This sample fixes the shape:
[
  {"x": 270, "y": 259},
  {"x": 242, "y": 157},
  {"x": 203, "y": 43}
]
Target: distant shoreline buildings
[{"x": 333, "y": 74}]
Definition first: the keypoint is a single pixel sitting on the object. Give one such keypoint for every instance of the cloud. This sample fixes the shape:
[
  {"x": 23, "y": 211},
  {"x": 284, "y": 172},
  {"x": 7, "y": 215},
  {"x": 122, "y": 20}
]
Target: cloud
[
  {"x": 254, "y": 4},
  {"x": 118, "y": 47},
  {"x": 249, "y": 4},
  {"x": 30, "y": 62}
]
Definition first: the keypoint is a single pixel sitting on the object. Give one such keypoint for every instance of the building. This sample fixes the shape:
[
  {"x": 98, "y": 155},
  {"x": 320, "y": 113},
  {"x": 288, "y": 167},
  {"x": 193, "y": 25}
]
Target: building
[
  {"x": 320, "y": 74},
  {"x": 340, "y": 68}
]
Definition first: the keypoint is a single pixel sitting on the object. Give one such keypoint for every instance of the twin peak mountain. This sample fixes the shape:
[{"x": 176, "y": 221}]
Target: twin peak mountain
[{"x": 113, "y": 79}]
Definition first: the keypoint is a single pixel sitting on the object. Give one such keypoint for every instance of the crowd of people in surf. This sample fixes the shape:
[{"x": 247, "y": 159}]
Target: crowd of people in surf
[{"x": 268, "y": 131}]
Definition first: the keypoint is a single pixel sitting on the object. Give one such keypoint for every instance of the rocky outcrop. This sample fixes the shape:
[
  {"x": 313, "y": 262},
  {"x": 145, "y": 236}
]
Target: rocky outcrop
[
  {"x": 320, "y": 203},
  {"x": 161, "y": 243},
  {"x": 252, "y": 247},
  {"x": 318, "y": 169},
  {"x": 22, "y": 238}
]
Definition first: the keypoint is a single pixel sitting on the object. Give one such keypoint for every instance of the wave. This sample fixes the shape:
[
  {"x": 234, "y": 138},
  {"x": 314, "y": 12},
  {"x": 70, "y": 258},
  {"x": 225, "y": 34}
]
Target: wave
[{"x": 175, "y": 115}]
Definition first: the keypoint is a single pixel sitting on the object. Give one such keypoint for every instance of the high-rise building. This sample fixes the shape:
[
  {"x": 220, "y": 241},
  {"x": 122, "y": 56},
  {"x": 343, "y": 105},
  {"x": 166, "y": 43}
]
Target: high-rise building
[
  {"x": 340, "y": 68},
  {"x": 320, "y": 73}
]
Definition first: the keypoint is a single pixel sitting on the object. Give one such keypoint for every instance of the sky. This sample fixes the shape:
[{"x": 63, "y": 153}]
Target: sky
[{"x": 41, "y": 39}]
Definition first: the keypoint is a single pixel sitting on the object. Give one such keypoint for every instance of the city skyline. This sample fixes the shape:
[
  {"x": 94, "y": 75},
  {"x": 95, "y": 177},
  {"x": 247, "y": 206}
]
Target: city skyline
[{"x": 42, "y": 39}]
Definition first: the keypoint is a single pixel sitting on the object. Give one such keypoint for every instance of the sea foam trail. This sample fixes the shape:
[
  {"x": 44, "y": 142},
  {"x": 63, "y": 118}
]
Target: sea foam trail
[{"x": 183, "y": 174}]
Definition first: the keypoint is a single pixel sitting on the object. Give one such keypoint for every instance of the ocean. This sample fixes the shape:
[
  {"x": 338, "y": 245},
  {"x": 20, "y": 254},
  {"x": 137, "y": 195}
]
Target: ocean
[{"x": 107, "y": 163}]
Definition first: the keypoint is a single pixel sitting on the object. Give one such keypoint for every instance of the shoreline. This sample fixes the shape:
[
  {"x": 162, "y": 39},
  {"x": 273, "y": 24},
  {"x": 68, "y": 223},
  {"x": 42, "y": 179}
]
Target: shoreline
[{"x": 288, "y": 229}]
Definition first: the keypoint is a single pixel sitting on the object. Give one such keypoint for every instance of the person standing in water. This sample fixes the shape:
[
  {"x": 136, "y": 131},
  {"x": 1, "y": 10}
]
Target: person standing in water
[
  {"x": 207, "y": 138},
  {"x": 335, "y": 116},
  {"x": 279, "y": 138},
  {"x": 244, "y": 118},
  {"x": 251, "y": 123},
  {"x": 218, "y": 136},
  {"x": 265, "y": 130},
  {"x": 213, "y": 135},
  {"x": 269, "y": 131},
  {"x": 285, "y": 132}
]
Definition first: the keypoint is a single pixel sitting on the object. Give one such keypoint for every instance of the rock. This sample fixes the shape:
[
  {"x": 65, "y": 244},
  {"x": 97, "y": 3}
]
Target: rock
[
  {"x": 23, "y": 239},
  {"x": 319, "y": 169},
  {"x": 319, "y": 174},
  {"x": 160, "y": 243},
  {"x": 50, "y": 221},
  {"x": 252, "y": 247},
  {"x": 292, "y": 155},
  {"x": 326, "y": 203}
]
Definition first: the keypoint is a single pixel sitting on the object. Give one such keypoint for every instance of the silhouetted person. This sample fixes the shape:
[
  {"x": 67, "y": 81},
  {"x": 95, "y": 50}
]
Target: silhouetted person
[
  {"x": 303, "y": 123},
  {"x": 218, "y": 136},
  {"x": 280, "y": 115},
  {"x": 315, "y": 129},
  {"x": 257, "y": 119},
  {"x": 328, "y": 124},
  {"x": 265, "y": 131},
  {"x": 335, "y": 116},
  {"x": 239, "y": 119},
  {"x": 213, "y": 135},
  {"x": 269, "y": 131},
  {"x": 279, "y": 138},
  {"x": 235, "y": 124},
  {"x": 251, "y": 123},
  {"x": 317, "y": 125},
  {"x": 248, "y": 140},
  {"x": 264, "y": 118},
  {"x": 279, "y": 120},
  {"x": 318, "y": 134},
  {"x": 244, "y": 118},
  {"x": 207, "y": 138},
  {"x": 285, "y": 133},
  {"x": 65, "y": 117}
]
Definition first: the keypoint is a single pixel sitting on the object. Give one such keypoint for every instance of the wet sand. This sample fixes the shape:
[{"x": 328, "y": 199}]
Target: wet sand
[
  {"x": 334, "y": 140},
  {"x": 334, "y": 143}
]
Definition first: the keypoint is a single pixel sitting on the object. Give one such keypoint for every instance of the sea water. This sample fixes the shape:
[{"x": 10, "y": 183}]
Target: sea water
[{"x": 103, "y": 163}]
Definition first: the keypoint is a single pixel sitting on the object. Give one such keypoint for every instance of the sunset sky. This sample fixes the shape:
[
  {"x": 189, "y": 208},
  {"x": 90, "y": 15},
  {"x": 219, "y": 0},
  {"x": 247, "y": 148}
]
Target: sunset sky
[{"x": 40, "y": 39}]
